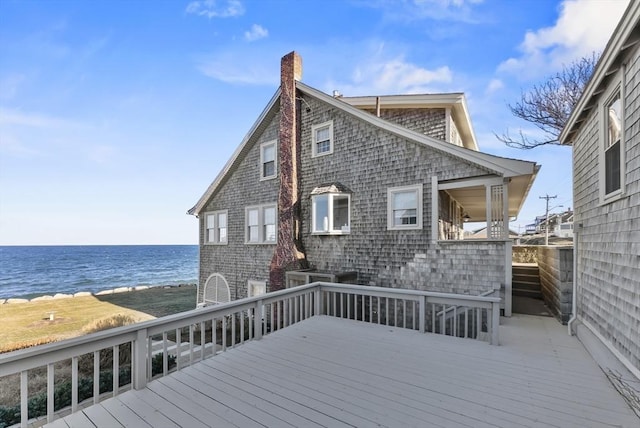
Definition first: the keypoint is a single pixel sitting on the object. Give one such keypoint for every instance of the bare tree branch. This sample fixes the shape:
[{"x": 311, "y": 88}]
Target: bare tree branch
[{"x": 549, "y": 104}]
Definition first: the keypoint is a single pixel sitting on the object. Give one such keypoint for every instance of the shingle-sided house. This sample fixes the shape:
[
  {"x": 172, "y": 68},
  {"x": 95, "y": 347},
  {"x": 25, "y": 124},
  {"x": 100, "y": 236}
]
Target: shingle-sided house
[
  {"x": 375, "y": 186},
  {"x": 604, "y": 130}
]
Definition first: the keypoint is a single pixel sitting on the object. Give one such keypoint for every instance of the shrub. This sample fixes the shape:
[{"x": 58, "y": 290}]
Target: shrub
[
  {"x": 113, "y": 321},
  {"x": 156, "y": 363}
]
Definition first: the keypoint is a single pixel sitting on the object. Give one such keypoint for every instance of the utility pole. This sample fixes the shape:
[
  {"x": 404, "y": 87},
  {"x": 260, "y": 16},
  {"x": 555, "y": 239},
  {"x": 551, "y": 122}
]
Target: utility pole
[{"x": 546, "y": 218}]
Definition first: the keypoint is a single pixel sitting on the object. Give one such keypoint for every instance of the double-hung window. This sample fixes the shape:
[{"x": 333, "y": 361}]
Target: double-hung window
[
  {"x": 322, "y": 139},
  {"x": 404, "y": 207},
  {"x": 331, "y": 214},
  {"x": 261, "y": 224},
  {"x": 612, "y": 145},
  {"x": 268, "y": 168},
  {"x": 216, "y": 225}
]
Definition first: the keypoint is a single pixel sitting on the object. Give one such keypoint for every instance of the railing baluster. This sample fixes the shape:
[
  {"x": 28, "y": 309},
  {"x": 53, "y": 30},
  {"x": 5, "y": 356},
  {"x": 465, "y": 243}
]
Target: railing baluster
[
  {"x": 466, "y": 323},
  {"x": 191, "y": 339},
  {"x": 233, "y": 330},
  {"x": 271, "y": 313},
  {"x": 74, "y": 384},
  {"x": 165, "y": 354},
  {"x": 24, "y": 398},
  {"x": 241, "y": 327},
  {"x": 116, "y": 369},
  {"x": 433, "y": 318},
  {"x": 214, "y": 336},
  {"x": 203, "y": 338},
  {"x": 335, "y": 312},
  {"x": 443, "y": 325},
  {"x": 386, "y": 309},
  {"x": 178, "y": 345},
  {"x": 50, "y": 391},
  {"x": 455, "y": 321},
  {"x": 404, "y": 313},
  {"x": 96, "y": 377},
  {"x": 224, "y": 333}
]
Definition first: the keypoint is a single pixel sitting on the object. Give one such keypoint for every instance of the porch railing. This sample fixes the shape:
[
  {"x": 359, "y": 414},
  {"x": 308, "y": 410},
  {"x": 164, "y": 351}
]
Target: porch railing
[{"x": 104, "y": 364}]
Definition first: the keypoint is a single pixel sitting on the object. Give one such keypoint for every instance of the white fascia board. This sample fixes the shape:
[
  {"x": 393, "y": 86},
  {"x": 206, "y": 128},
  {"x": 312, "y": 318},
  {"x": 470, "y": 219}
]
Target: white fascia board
[
  {"x": 230, "y": 163},
  {"x": 608, "y": 58},
  {"x": 502, "y": 166},
  {"x": 405, "y": 101}
]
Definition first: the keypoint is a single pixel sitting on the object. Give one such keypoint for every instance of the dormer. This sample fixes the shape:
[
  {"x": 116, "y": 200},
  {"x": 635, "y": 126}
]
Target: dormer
[{"x": 441, "y": 116}]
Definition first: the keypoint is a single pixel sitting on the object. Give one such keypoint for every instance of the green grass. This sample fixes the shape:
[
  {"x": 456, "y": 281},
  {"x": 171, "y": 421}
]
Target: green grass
[{"x": 26, "y": 324}]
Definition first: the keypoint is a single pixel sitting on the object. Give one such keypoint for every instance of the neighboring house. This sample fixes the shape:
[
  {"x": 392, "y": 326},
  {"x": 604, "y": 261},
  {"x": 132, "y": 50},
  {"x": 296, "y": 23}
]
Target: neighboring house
[
  {"x": 379, "y": 186},
  {"x": 604, "y": 130}
]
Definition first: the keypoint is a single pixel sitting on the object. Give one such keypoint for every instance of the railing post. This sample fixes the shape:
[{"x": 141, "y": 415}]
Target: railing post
[
  {"x": 495, "y": 322},
  {"x": 423, "y": 313},
  {"x": 140, "y": 360},
  {"x": 258, "y": 322}
]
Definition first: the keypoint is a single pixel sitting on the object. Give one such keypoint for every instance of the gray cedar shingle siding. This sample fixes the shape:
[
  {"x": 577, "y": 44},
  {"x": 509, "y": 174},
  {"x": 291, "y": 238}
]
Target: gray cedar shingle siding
[
  {"x": 430, "y": 122},
  {"x": 368, "y": 161},
  {"x": 236, "y": 261},
  {"x": 608, "y": 273}
]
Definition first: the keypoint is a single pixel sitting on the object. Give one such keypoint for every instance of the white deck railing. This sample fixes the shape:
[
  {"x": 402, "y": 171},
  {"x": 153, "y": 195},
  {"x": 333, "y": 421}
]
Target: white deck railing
[{"x": 132, "y": 355}]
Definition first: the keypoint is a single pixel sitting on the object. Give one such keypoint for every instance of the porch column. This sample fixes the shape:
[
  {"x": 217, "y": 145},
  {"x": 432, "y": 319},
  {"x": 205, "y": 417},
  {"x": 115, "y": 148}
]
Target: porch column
[{"x": 508, "y": 262}]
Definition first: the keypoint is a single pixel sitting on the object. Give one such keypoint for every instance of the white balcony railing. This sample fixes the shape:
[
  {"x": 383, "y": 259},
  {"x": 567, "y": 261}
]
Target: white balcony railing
[{"x": 106, "y": 363}]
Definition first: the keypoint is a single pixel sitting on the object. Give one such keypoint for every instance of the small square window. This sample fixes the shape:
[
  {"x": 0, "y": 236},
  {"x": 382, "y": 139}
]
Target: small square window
[
  {"x": 261, "y": 224},
  {"x": 268, "y": 168},
  {"x": 216, "y": 227},
  {"x": 404, "y": 208},
  {"x": 322, "y": 139},
  {"x": 331, "y": 214}
]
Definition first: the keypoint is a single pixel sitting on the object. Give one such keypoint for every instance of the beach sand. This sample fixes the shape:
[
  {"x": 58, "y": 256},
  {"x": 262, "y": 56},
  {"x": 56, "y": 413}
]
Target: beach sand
[{"x": 47, "y": 320}]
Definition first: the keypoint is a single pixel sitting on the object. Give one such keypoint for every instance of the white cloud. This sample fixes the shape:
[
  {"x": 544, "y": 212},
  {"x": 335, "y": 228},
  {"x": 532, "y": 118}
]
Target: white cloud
[
  {"x": 257, "y": 32},
  {"x": 411, "y": 10},
  {"x": 494, "y": 86},
  {"x": 250, "y": 67},
  {"x": 11, "y": 145},
  {"x": 583, "y": 27},
  {"x": 393, "y": 76},
  {"x": 216, "y": 9},
  {"x": 35, "y": 120}
]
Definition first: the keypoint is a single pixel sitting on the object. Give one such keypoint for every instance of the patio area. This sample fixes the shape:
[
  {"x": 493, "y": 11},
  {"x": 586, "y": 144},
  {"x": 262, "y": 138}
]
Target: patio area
[{"x": 328, "y": 371}]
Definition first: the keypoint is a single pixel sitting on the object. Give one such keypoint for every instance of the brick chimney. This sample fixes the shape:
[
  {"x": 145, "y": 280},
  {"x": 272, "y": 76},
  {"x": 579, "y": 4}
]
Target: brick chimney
[{"x": 287, "y": 255}]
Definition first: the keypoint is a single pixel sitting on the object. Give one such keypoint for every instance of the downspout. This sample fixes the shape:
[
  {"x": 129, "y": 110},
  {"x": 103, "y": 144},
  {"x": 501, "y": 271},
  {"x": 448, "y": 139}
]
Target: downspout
[{"x": 574, "y": 293}]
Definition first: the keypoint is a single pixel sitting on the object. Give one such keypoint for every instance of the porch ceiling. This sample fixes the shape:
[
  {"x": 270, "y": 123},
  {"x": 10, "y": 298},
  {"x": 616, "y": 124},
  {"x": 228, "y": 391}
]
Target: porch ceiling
[{"x": 474, "y": 199}]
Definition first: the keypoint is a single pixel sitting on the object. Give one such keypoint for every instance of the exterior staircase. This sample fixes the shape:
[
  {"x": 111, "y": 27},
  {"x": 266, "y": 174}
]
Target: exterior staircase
[{"x": 526, "y": 280}]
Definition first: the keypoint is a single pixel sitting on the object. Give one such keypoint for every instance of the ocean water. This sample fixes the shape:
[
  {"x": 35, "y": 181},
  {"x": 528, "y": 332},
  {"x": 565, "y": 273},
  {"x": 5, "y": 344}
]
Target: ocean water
[{"x": 34, "y": 271}]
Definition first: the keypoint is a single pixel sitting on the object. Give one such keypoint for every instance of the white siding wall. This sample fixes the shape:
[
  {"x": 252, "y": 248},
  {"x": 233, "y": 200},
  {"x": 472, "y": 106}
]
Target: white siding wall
[{"x": 608, "y": 273}]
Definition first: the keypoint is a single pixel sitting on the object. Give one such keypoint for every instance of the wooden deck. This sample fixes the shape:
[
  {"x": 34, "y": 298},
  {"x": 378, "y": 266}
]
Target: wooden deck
[{"x": 334, "y": 372}]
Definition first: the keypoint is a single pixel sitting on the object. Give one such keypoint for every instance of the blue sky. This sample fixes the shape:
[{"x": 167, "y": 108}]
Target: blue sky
[{"x": 115, "y": 116}]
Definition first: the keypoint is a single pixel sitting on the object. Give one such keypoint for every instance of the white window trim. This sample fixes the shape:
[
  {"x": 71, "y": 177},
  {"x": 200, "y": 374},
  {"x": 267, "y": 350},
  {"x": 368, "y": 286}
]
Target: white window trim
[
  {"x": 275, "y": 162},
  {"x": 393, "y": 190},
  {"x": 314, "y": 146},
  {"x": 217, "y": 240},
  {"x": 261, "y": 239},
  {"x": 251, "y": 283},
  {"x": 617, "y": 88},
  {"x": 331, "y": 196}
]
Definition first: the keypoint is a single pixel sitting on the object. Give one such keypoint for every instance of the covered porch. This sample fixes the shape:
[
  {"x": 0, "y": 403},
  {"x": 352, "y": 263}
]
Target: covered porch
[{"x": 492, "y": 201}]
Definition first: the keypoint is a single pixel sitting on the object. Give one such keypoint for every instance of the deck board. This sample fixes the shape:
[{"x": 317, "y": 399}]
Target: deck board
[{"x": 333, "y": 372}]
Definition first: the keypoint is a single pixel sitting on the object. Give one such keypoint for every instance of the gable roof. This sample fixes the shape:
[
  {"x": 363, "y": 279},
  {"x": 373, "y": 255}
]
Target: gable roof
[
  {"x": 494, "y": 164},
  {"x": 624, "y": 37}
]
